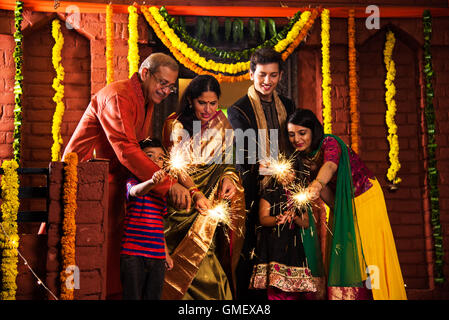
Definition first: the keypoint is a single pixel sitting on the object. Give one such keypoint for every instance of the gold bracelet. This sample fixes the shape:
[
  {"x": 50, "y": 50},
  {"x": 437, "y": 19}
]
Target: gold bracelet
[{"x": 191, "y": 188}]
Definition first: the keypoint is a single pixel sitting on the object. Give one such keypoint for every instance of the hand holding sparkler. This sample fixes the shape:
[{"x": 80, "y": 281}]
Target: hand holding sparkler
[
  {"x": 314, "y": 189},
  {"x": 222, "y": 212},
  {"x": 228, "y": 189},
  {"x": 287, "y": 216},
  {"x": 202, "y": 204},
  {"x": 158, "y": 176},
  {"x": 281, "y": 169}
]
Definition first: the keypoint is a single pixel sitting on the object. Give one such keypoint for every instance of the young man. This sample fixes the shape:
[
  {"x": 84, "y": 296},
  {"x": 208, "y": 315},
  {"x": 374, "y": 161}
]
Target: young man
[
  {"x": 119, "y": 116},
  {"x": 262, "y": 108}
]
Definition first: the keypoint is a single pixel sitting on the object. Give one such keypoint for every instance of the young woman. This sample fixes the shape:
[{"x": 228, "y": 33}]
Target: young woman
[{"x": 360, "y": 238}]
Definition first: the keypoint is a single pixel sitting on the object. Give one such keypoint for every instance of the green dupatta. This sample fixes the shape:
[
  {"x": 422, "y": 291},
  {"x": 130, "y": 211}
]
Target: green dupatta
[{"x": 343, "y": 256}]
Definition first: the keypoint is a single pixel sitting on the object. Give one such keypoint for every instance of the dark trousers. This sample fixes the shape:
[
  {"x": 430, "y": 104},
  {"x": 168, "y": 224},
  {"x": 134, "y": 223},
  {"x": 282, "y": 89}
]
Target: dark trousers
[{"x": 142, "y": 278}]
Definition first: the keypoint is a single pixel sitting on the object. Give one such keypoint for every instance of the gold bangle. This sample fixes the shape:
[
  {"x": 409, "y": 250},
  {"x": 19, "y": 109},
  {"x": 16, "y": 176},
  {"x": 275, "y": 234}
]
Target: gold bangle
[{"x": 191, "y": 188}]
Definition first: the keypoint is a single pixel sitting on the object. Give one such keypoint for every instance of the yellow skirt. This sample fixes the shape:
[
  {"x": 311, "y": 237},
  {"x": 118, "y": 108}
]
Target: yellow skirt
[{"x": 379, "y": 249}]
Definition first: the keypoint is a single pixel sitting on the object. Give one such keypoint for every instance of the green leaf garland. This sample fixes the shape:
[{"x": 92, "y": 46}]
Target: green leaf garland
[
  {"x": 18, "y": 84},
  {"x": 204, "y": 50},
  {"x": 432, "y": 171}
]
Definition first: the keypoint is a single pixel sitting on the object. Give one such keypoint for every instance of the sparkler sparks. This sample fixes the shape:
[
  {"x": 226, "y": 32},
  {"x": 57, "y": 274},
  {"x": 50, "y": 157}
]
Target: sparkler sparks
[
  {"x": 279, "y": 168},
  {"x": 178, "y": 162},
  {"x": 222, "y": 212},
  {"x": 298, "y": 197}
]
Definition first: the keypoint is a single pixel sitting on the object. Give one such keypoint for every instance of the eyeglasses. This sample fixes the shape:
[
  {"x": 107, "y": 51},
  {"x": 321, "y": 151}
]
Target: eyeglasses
[{"x": 163, "y": 84}]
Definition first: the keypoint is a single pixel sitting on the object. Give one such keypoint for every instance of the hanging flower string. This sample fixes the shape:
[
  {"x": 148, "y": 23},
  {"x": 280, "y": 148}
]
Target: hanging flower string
[
  {"x": 193, "y": 60},
  {"x": 133, "y": 49},
  {"x": 325, "y": 69},
  {"x": 69, "y": 223},
  {"x": 9, "y": 238},
  {"x": 391, "y": 110},
  {"x": 353, "y": 88},
  {"x": 18, "y": 79},
  {"x": 432, "y": 172},
  {"x": 181, "y": 57},
  {"x": 191, "y": 54},
  {"x": 59, "y": 90},
  {"x": 241, "y": 55},
  {"x": 109, "y": 45}
]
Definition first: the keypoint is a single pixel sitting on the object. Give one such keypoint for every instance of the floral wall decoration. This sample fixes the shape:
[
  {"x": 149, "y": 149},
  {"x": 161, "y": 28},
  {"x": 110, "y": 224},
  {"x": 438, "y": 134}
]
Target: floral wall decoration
[
  {"x": 109, "y": 45},
  {"x": 325, "y": 69},
  {"x": 191, "y": 52},
  {"x": 133, "y": 48},
  {"x": 391, "y": 110},
  {"x": 69, "y": 223},
  {"x": 59, "y": 90},
  {"x": 353, "y": 86},
  {"x": 9, "y": 238},
  {"x": 432, "y": 172},
  {"x": 18, "y": 79}
]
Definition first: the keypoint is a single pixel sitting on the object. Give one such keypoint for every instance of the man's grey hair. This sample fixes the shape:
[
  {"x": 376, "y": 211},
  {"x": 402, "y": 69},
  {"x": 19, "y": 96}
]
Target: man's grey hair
[{"x": 156, "y": 60}]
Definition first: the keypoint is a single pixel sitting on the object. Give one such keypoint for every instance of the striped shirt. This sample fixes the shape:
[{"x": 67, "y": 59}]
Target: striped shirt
[{"x": 144, "y": 226}]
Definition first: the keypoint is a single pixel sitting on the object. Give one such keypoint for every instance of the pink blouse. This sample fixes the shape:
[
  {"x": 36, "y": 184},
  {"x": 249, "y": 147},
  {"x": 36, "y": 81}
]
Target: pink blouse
[{"x": 360, "y": 173}]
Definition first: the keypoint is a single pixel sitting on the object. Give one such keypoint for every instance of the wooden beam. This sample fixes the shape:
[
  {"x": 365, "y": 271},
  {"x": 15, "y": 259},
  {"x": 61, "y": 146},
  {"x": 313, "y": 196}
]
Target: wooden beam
[{"x": 222, "y": 11}]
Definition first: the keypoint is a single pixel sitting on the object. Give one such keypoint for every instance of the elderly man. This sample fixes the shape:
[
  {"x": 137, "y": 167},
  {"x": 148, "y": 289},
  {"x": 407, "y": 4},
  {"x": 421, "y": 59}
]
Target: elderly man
[{"x": 117, "y": 117}]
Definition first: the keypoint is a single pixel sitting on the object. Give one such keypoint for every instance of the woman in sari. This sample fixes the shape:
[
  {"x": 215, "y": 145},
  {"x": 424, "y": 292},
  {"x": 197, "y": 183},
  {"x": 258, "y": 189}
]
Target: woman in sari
[
  {"x": 360, "y": 240},
  {"x": 204, "y": 251}
]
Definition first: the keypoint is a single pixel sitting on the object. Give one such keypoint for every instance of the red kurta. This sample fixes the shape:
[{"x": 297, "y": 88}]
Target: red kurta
[{"x": 113, "y": 123}]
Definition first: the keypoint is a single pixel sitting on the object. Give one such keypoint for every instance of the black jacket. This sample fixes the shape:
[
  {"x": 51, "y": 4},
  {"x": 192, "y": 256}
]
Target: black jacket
[{"x": 241, "y": 116}]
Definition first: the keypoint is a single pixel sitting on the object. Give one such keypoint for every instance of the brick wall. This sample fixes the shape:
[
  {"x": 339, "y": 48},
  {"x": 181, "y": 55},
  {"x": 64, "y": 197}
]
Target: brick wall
[
  {"x": 408, "y": 206},
  {"x": 91, "y": 222},
  {"x": 86, "y": 71},
  {"x": 7, "y": 71}
]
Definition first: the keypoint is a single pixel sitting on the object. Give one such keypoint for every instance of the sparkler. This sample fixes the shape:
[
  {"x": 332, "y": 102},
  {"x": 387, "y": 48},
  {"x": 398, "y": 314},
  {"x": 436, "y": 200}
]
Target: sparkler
[
  {"x": 178, "y": 162},
  {"x": 221, "y": 212},
  {"x": 298, "y": 197},
  {"x": 279, "y": 168}
]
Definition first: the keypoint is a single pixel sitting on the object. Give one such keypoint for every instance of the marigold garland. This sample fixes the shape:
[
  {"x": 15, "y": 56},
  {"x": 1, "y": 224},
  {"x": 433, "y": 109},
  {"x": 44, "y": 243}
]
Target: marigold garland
[
  {"x": 59, "y": 90},
  {"x": 18, "y": 85},
  {"x": 194, "y": 61},
  {"x": 301, "y": 35},
  {"x": 203, "y": 49},
  {"x": 432, "y": 172},
  {"x": 69, "y": 223},
  {"x": 109, "y": 45},
  {"x": 391, "y": 110},
  {"x": 191, "y": 54},
  {"x": 353, "y": 87},
  {"x": 9, "y": 239},
  {"x": 182, "y": 58},
  {"x": 325, "y": 69},
  {"x": 133, "y": 49}
]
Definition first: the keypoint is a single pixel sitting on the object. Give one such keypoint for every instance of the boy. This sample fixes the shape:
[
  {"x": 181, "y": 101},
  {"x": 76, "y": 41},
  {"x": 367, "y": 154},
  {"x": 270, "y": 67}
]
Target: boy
[
  {"x": 144, "y": 256},
  {"x": 261, "y": 108}
]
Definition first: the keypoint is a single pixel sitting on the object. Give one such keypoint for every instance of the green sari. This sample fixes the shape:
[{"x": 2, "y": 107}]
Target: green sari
[
  {"x": 344, "y": 247},
  {"x": 204, "y": 256}
]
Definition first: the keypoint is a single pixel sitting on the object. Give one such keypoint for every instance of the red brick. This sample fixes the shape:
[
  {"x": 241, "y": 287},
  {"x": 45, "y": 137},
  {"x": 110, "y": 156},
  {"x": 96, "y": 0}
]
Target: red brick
[
  {"x": 95, "y": 209},
  {"x": 92, "y": 191},
  {"x": 89, "y": 235},
  {"x": 89, "y": 258},
  {"x": 90, "y": 282}
]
